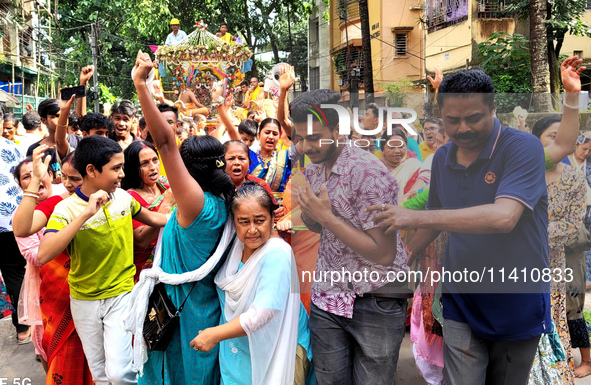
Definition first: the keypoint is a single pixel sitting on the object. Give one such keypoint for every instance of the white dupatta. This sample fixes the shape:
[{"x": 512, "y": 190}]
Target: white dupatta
[
  {"x": 134, "y": 319},
  {"x": 273, "y": 338}
]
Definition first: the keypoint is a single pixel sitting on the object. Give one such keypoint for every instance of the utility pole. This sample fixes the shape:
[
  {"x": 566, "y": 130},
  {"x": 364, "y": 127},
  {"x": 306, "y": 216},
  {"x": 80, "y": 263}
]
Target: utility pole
[
  {"x": 366, "y": 48},
  {"x": 93, "y": 39}
]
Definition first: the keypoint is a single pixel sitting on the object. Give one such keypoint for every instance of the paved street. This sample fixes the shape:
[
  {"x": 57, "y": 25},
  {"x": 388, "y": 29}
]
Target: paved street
[{"x": 18, "y": 365}]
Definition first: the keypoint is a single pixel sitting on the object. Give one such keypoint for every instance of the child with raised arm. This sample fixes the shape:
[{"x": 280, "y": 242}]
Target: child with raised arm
[{"x": 94, "y": 226}]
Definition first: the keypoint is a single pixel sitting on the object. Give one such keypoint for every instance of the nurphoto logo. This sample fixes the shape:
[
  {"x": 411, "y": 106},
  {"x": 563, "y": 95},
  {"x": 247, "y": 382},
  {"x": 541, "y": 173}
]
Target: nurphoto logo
[{"x": 345, "y": 119}]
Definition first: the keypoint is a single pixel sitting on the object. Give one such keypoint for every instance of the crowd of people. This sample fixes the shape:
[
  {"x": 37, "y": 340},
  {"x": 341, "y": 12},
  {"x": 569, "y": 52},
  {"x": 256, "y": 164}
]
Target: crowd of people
[{"x": 231, "y": 216}]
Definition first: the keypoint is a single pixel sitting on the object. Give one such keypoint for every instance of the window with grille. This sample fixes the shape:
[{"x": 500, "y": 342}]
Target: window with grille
[
  {"x": 443, "y": 13},
  {"x": 348, "y": 61},
  {"x": 313, "y": 30},
  {"x": 315, "y": 78},
  {"x": 578, "y": 53},
  {"x": 400, "y": 44},
  {"x": 6, "y": 40},
  {"x": 588, "y": 4},
  {"x": 314, "y": 45},
  {"x": 348, "y": 9}
]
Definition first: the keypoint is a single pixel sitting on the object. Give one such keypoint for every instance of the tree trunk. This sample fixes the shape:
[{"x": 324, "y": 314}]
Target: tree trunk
[
  {"x": 274, "y": 47},
  {"x": 559, "y": 41},
  {"x": 538, "y": 45},
  {"x": 249, "y": 36},
  {"x": 366, "y": 47},
  {"x": 554, "y": 68}
]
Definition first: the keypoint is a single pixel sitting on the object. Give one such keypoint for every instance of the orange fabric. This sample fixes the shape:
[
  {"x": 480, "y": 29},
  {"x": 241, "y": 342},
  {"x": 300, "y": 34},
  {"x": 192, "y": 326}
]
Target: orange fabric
[
  {"x": 65, "y": 357},
  {"x": 304, "y": 243}
]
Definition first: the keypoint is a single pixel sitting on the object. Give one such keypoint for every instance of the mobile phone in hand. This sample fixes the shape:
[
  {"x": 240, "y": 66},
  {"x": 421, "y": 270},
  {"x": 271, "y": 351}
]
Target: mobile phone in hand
[{"x": 79, "y": 91}]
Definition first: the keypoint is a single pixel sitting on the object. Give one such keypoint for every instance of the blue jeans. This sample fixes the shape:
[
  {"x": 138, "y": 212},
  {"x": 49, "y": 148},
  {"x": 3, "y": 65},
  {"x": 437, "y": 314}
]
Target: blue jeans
[
  {"x": 472, "y": 360},
  {"x": 361, "y": 350}
]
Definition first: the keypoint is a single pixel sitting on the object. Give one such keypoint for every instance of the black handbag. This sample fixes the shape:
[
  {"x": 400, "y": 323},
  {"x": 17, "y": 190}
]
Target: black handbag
[{"x": 162, "y": 318}]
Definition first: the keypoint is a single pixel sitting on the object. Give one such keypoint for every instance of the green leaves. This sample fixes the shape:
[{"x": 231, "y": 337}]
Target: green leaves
[{"x": 505, "y": 58}]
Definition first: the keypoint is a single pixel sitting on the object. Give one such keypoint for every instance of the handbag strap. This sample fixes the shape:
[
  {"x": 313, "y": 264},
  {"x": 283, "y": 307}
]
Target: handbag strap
[{"x": 195, "y": 283}]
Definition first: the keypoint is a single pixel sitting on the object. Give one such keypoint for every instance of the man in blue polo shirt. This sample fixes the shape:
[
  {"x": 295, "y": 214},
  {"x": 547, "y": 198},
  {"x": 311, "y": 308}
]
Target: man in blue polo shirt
[{"x": 488, "y": 190}]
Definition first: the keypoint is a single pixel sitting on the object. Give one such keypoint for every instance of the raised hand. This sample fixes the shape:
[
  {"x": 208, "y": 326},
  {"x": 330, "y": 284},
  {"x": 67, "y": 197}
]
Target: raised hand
[
  {"x": 286, "y": 77},
  {"x": 66, "y": 105},
  {"x": 85, "y": 74},
  {"x": 571, "y": 75},
  {"x": 438, "y": 77},
  {"x": 143, "y": 66},
  {"x": 40, "y": 165}
]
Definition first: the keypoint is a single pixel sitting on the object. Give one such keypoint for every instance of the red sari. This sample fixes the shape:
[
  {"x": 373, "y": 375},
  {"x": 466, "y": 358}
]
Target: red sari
[
  {"x": 65, "y": 356},
  {"x": 142, "y": 256}
]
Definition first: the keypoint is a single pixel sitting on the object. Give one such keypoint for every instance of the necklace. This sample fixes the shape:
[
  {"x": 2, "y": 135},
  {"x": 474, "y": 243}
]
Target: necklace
[
  {"x": 389, "y": 164},
  {"x": 265, "y": 161}
]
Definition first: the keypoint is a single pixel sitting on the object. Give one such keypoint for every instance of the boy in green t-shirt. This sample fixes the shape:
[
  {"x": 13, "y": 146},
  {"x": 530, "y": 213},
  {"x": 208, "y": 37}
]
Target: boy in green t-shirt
[{"x": 94, "y": 226}]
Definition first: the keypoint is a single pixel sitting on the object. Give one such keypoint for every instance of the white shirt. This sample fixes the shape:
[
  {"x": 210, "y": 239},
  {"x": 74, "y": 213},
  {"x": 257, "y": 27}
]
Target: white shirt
[
  {"x": 172, "y": 39},
  {"x": 26, "y": 142},
  {"x": 10, "y": 194},
  {"x": 255, "y": 146}
]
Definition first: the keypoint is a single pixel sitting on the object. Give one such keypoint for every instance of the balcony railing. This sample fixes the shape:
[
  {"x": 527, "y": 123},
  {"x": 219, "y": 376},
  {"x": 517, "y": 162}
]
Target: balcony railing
[
  {"x": 348, "y": 9},
  {"x": 347, "y": 65},
  {"x": 314, "y": 49},
  {"x": 493, "y": 9},
  {"x": 440, "y": 14}
]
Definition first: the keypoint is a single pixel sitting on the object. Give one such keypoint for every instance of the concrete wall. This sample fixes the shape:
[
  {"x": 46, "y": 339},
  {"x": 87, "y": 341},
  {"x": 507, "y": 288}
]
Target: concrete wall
[
  {"x": 509, "y": 120},
  {"x": 451, "y": 46},
  {"x": 578, "y": 43},
  {"x": 391, "y": 67}
]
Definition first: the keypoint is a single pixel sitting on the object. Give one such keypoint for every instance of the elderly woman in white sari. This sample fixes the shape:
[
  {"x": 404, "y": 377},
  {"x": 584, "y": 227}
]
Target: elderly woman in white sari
[{"x": 259, "y": 296}]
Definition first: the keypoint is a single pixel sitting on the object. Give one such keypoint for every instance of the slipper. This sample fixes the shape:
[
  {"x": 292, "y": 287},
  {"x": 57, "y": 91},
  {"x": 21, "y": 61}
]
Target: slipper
[{"x": 27, "y": 340}]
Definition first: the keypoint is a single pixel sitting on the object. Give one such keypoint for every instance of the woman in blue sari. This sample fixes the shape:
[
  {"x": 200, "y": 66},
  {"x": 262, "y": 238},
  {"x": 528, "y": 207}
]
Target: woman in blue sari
[
  {"x": 196, "y": 173},
  {"x": 273, "y": 166}
]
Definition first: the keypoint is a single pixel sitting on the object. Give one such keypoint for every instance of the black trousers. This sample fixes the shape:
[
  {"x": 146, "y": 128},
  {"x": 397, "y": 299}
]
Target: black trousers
[{"x": 12, "y": 267}]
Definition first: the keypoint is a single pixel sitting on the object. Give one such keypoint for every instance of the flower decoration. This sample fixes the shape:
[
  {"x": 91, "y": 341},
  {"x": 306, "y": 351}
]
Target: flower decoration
[{"x": 201, "y": 26}]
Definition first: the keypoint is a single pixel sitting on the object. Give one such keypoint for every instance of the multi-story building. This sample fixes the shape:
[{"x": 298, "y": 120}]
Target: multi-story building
[
  {"x": 19, "y": 59},
  {"x": 456, "y": 27},
  {"x": 319, "y": 60},
  {"x": 396, "y": 44}
]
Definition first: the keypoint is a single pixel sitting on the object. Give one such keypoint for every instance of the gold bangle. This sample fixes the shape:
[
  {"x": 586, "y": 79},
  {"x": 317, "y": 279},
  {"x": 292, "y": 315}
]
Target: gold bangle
[
  {"x": 64, "y": 125},
  {"x": 31, "y": 192}
]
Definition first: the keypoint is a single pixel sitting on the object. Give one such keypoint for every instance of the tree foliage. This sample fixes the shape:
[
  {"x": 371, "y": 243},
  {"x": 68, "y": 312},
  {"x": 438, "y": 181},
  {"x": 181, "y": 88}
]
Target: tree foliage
[
  {"x": 505, "y": 58},
  {"x": 562, "y": 17},
  {"x": 129, "y": 25}
]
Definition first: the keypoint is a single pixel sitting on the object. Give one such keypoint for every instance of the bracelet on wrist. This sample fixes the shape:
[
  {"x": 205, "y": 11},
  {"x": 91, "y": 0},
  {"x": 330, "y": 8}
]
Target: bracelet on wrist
[
  {"x": 578, "y": 106},
  {"x": 63, "y": 125},
  {"x": 36, "y": 196},
  {"x": 31, "y": 192}
]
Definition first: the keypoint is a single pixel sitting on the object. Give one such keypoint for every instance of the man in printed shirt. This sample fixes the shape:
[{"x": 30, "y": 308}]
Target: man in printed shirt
[{"x": 356, "y": 331}]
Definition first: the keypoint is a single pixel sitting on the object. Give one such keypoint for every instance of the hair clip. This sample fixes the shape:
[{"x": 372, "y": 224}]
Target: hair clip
[{"x": 219, "y": 163}]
